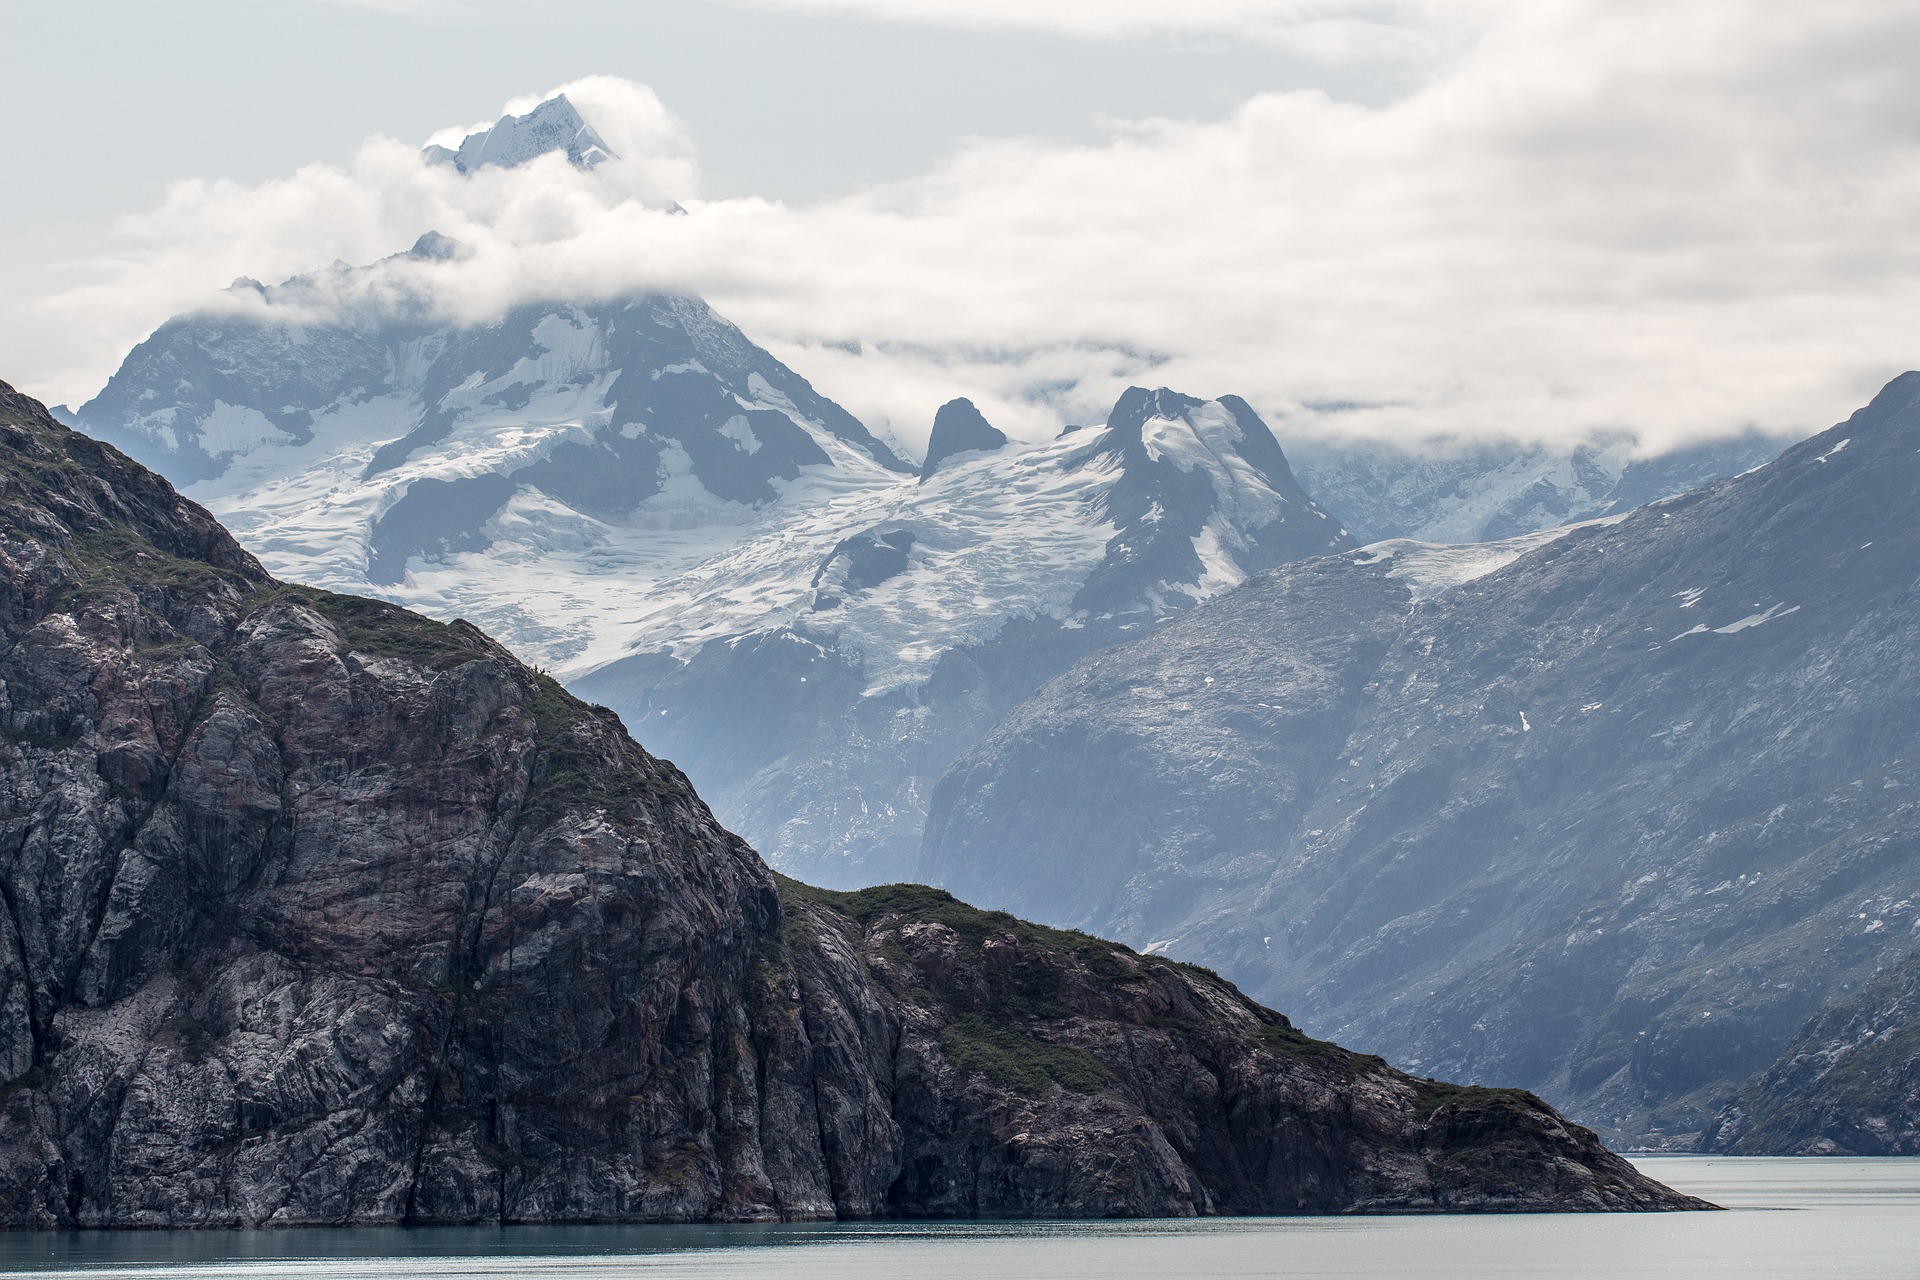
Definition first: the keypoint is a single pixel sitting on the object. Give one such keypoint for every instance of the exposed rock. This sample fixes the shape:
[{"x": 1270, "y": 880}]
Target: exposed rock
[
  {"x": 320, "y": 912},
  {"x": 959, "y": 428},
  {"x": 820, "y": 738}
]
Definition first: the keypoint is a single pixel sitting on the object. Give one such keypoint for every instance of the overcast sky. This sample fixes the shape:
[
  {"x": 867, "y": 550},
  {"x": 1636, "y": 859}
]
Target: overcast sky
[{"x": 1535, "y": 218}]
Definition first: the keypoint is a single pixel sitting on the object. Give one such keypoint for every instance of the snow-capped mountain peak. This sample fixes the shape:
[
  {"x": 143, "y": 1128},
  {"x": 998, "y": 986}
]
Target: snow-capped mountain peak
[{"x": 554, "y": 125}]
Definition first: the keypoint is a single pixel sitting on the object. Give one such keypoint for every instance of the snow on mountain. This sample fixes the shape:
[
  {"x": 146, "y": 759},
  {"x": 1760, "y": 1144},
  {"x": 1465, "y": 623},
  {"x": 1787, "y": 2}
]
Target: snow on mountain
[
  {"x": 554, "y": 125},
  {"x": 1543, "y": 811},
  {"x": 535, "y": 474}
]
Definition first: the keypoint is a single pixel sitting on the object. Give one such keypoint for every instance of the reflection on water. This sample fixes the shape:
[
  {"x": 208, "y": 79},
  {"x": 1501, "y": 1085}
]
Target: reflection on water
[{"x": 1787, "y": 1218}]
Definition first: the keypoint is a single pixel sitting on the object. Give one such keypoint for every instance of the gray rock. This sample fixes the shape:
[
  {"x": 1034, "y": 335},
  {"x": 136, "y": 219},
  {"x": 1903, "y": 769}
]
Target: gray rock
[
  {"x": 831, "y": 778},
  {"x": 959, "y": 428}
]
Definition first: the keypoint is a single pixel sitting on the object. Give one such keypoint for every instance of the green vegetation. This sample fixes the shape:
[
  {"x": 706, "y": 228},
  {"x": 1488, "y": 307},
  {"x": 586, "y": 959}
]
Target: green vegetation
[
  {"x": 1289, "y": 1041},
  {"x": 923, "y": 902},
  {"x": 584, "y": 764},
  {"x": 1435, "y": 1094},
  {"x": 384, "y": 630},
  {"x": 1017, "y": 1061}
]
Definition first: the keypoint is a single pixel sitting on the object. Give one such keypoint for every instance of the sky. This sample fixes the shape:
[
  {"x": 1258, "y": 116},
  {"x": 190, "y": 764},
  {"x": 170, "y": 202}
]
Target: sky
[{"x": 1402, "y": 218}]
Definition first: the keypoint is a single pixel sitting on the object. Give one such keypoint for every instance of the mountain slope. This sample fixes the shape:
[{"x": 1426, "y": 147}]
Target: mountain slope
[
  {"x": 1849, "y": 1084},
  {"x": 316, "y": 911},
  {"x": 1609, "y": 820}
]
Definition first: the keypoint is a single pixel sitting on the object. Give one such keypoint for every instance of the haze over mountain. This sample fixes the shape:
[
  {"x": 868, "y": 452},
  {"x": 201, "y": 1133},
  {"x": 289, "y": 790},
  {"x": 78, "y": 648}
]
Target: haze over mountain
[{"x": 1607, "y": 812}]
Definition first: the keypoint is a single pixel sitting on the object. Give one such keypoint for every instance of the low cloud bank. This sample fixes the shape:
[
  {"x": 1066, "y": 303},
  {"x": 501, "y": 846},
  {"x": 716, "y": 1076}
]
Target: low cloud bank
[{"x": 1678, "y": 220}]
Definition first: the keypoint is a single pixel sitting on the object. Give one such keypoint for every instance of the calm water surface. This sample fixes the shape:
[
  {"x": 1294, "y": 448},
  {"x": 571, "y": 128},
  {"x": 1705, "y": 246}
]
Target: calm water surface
[{"x": 1787, "y": 1218}]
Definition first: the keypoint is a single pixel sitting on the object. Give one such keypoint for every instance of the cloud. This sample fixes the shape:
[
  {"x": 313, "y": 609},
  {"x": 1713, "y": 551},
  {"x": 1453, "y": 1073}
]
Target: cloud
[
  {"x": 409, "y": 8},
  {"x": 1333, "y": 29},
  {"x": 1676, "y": 219}
]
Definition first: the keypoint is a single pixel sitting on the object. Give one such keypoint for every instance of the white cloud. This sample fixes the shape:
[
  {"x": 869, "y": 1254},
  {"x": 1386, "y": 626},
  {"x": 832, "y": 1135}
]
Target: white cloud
[
  {"x": 1339, "y": 29},
  {"x": 1676, "y": 218}
]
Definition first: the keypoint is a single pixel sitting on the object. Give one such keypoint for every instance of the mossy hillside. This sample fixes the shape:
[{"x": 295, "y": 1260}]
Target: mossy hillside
[
  {"x": 1017, "y": 1061},
  {"x": 1431, "y": 1095},
  {"x": 1284, "y": 1039},
  {"x": 379, "y": 629},
  {"x": 587, "y": 759}
]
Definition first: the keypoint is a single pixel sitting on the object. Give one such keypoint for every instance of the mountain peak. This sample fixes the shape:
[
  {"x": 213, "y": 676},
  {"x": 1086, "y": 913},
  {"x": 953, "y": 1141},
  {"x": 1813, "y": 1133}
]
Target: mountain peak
[
  {"x": 554, "y": 125},
  {"x": 958, "y": 428}
]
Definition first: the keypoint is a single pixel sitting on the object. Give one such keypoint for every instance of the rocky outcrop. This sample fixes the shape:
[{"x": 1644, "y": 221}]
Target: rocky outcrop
[
  {"x": 959, "y": 427},
  {"x": 1848, "y": 1085},
  {"x": 316, "y": 911},
  {"x": 1608, "y": 815}
]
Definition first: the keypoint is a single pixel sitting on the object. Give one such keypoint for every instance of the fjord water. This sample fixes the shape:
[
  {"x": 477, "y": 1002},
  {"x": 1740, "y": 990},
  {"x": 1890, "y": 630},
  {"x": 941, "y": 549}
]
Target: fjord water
[{"x": 1786, "y": 1218}]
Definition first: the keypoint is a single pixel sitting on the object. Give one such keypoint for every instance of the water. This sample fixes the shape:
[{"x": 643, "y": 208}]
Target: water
[{"x": 1788, "y": 1218}]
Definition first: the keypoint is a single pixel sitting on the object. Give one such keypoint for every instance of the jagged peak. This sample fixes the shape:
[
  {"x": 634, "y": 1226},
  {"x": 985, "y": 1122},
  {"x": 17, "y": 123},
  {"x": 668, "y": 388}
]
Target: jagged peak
[
  {"x": 959, "y": 427},
  {"x": 554, "y": 125}
]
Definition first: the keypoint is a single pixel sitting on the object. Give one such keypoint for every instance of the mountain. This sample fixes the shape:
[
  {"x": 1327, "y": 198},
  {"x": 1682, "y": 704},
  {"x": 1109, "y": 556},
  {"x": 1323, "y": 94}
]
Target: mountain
[
  {"x": 1607, "y": 813},
  {"x": 1454, "y": 491},
  {"x": 554, "y": 125},
  {"x": 959, "y": 428},
  {"x": 317, "y": 911},
  {"x": 846, "y": 660},
  {"x": 537, "y": 474},
  {"x": 1848, "y": 1084}
]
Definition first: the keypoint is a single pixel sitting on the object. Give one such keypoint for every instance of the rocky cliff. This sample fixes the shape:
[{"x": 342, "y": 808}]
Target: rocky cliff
[
  {"x": 316, "y": 911},
  {"x": 1608, "y": 814}
]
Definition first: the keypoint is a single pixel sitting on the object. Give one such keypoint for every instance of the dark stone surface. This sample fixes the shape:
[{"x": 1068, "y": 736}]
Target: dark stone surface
[
  {"x": 1610, "y": 822},
  {"x": 682, "y": 372},
  {"x": 316, "y": 911},
  {"x": 959, "y": 427}
]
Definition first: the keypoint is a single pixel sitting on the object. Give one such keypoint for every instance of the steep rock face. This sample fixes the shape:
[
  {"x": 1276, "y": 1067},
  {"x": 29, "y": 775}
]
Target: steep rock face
[
  {"x": 357, "y": 440},
  {"x": 958, "y": 428},
  {"x": 1608, "y": 817},
  {"x": 1848, "y": 1085},
  {"x": 320, "y": 912},
  {"x": 1015, "y": 1051}
]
